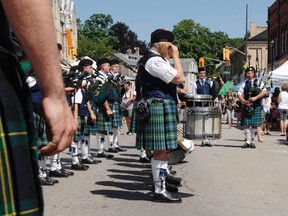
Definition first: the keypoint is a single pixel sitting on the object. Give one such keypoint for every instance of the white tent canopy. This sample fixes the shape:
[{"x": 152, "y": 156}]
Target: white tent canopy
[{"x": 279, "y": 75}]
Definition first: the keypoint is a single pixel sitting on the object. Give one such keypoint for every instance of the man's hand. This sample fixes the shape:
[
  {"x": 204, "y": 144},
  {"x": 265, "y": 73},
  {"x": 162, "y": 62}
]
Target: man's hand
[{"x": 61, "y": 125}]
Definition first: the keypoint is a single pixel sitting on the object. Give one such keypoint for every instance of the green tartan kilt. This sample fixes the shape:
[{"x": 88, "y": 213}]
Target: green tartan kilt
[
  {"x": 106, "y": 123},
  {"x": 20, "y": 188},
  {"x": 133, "y": 124},
  {"x": 256, "y": 120},
  {"x": 84, "y": 129},
  {"x": 117, "y": 117},
  {"x": 160, "y": 131},
  {"x": 40, "y": 130}
]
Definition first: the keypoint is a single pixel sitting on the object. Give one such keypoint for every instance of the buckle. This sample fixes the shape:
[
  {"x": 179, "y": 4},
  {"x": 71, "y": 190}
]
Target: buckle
[{"x": 157, "y": 101}]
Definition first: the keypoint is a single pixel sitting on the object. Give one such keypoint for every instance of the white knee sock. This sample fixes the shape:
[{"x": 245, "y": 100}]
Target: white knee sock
[
  {"x": 115, "y": 137},
  {"x": 101, "y": 141},
  {"x": 53, "y": 162},
  {"x": 84, "y": 149},
  {"x": 247, "y": 133},
  {"x": 253, "y": 133},
  {"x": 110, "y": 138},
  {"x": 159, "y": 175}
]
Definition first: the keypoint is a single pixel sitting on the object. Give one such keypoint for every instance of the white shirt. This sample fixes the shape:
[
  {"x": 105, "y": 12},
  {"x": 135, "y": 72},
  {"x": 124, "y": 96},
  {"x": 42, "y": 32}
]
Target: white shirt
[
  {"x": 160, "y": 68},
  {"x": 78, "y": 97},
  {"x": 283, "y": 103}
]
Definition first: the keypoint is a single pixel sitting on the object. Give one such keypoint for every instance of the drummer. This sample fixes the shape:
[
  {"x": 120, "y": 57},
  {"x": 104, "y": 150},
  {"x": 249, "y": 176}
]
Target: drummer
[{"x": 202, "y": 85}]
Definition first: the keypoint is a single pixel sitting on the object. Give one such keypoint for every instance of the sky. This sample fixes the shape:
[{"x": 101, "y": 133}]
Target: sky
[{"x": 143, "y": 17}]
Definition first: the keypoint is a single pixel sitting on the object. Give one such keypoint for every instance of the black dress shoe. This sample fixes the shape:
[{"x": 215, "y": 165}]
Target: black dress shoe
[
  {"x": 166, "y": 197},
  {"x": 46, "y": 182},
  {"x": 89, "y": 160},
  {"x": 173, "y": 172},
  {"x": 252, "y": 145},
  {"x": 55, "y": 181},
  {"x": 144, "y": 160},
  {"x": 173, "y": 180},
  {"x": 169, "y": 187},
  {"x": 79, "y": 166},
  {"x": 119, "y": 149},
  {"x": 112, "y": 150},
  {"x": 69, "y": 173},
  {"x": 104, "y": 154},
  {"x": 246, "y": 145},
  {"x": 58, "y": 173}
]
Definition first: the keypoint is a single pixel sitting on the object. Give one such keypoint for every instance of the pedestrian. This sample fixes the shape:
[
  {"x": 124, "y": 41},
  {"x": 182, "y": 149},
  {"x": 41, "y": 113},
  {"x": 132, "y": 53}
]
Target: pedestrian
[
  {"x": 21, "y": 191},
  {"x": 156, "y": 82},
  {"x": 249, "y": 94},
  {"x": 283, "y": 109},
  {"x": 127, "y": 104},
  {"x": 267, "y": 113},
  {"x": 229, "y": 106}
]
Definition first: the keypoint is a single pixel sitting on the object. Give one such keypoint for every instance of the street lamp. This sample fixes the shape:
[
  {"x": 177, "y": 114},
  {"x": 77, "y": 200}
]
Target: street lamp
[{"x": 249, "y": 58}]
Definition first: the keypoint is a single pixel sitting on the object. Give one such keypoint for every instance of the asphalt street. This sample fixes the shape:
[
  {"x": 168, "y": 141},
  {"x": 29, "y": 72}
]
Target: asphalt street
[{"x": 220, "y": 180}]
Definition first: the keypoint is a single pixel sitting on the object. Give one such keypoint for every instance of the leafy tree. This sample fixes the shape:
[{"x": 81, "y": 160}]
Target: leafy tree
[
  {"x": 127, "y": 39},
  {"x": 195, "y": 41}
]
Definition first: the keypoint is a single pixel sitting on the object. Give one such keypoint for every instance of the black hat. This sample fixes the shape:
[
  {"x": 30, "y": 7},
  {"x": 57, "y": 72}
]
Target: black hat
[
  {"x": 250, "y": 69},
  {"x": 161, "y": 35},
  {"x": 85, "y": 62},
  {"x": 200, "y": 69},
  {"x": 113, "y": 62},
  {"x": 103, "y": 61}
]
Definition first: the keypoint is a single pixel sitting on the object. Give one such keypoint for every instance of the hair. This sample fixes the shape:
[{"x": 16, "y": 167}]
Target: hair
[
  {"x": 284, "y": 87},
  {"x": 161, "y": 47},
  {"x": 276, "y": 92}
]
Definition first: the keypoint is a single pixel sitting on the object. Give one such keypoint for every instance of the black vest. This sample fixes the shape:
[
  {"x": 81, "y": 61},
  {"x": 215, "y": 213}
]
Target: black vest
[
  {"x": 251, "y": 91},
  {"x": 153, "y": 86},
  {"x": 205, "y": 89}
]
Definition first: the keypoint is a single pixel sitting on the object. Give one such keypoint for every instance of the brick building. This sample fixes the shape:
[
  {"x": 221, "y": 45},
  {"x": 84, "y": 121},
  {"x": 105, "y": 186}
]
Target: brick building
[{"x": 277, "y": 34}]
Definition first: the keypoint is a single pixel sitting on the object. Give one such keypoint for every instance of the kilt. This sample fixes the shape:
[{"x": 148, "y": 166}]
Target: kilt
[
  {"x": 117, "y": 116},
  {"x": 40, "y": 130},
  {"x": 160, "y": 131},
  {"x": 20, "y": 189},
  {"x": 256, "y": 120},
  {"x": 106, "y": 123},
  {"x": 84, "y": 129},
  {"x": 133, "y": 124}
]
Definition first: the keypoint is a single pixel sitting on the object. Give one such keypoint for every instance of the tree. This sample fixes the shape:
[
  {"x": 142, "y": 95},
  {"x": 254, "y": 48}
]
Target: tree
[
  {"x": 127, "y": 39},
  {"x": 196, "y": 41}
]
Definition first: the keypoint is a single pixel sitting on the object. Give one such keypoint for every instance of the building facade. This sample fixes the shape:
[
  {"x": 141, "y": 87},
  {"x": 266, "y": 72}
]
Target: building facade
[
  {"x": 256, "y": 55},
  {"x": 66, "y": 26},
  {"x": 277, "y": 34}
]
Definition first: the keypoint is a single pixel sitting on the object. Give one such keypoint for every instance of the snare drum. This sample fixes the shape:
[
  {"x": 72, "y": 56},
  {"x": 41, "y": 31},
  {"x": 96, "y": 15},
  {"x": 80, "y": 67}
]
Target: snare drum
[{"x": 202, "y": 121}]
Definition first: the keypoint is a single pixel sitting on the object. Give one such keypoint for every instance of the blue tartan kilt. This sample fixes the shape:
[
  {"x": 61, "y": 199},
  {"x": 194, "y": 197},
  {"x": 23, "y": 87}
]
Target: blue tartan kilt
[
  {"x": 160, "y": 131},
  {"x": 256, "y": 120},
  {"x": 117, "y": 117}
]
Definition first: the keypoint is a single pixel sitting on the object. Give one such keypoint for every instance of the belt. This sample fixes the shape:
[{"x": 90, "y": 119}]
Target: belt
[{"x": 157, "y": 101}]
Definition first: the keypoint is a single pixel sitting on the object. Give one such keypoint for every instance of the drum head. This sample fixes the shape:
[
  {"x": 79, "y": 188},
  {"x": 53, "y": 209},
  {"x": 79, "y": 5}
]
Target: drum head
[{"x": 197, "y": 97}]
